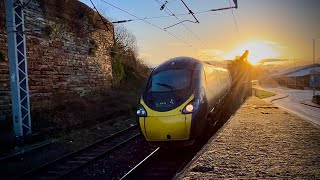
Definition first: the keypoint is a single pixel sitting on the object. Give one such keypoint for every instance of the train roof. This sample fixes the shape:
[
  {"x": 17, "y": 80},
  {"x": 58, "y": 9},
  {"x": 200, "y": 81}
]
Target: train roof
[
  {"x": 181, "y": 62},
  {"x": 177, "y": 63}
]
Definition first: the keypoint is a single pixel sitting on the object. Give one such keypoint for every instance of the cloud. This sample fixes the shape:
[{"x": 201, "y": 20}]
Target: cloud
[
  {"x": 272, "y": 60},
  {"x": 274, "y": 44}
]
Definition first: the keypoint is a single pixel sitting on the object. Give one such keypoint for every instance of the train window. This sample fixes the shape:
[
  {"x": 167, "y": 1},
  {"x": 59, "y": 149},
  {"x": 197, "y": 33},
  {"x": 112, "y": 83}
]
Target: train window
[{"x": 170, "y": 80}]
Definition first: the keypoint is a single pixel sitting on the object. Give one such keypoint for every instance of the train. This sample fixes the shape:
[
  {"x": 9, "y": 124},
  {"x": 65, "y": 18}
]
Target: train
[{"x": 178, "y": 99}]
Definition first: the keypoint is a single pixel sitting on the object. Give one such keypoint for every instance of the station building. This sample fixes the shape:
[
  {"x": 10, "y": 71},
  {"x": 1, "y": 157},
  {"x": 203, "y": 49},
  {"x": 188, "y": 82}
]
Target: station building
[{"x": 302, "y": 77}]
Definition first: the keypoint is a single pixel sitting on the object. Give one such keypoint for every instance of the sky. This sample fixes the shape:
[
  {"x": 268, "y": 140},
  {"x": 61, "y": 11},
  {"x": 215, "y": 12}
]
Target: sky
[{"x": 273, "y": 29}]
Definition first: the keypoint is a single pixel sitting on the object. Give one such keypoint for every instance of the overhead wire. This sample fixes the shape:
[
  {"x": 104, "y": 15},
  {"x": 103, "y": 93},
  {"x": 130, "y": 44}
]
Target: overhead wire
[
  {"x": 155, "y": 17},
  {"x": 193, "y": 33},
  {"x": 39, "y": 30},
  {"x": 31, "y": 9},
  {"x": 25, "y": 6},
  {"x": 181, "y": 14},
  {"x": 146, "y": 18},
  {"x": 102, "y": 19},
  {"x": 234, "y": 18},
  {"x": 190, "y": 11},
  {"x": 72, "y": 14},
  {"x": 148, "y": 23}
]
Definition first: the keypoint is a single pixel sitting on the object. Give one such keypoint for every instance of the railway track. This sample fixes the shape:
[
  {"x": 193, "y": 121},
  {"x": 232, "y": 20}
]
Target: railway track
[
  {"x": 161, "y": 164},
  {"x": 61, "y": 167}
]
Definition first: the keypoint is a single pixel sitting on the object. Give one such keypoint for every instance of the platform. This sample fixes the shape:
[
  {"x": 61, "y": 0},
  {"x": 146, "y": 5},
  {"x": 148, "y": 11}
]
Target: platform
[{"x": 260, "y": 142}]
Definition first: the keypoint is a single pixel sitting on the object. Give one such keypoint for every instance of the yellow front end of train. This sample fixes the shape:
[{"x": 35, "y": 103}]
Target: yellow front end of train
[{"x": 166, "y": 126}]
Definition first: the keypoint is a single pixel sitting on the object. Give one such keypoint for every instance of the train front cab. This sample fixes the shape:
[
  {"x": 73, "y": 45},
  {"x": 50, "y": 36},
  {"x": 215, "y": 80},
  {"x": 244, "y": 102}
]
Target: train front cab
[
  {"x": 171, "y": 116},
  {"x": 166, "y": 126}
]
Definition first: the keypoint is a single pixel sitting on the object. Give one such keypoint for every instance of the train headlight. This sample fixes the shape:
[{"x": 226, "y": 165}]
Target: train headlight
[
  {"x": 191, "y": 107},
  {"x": 141, "y": 112}
]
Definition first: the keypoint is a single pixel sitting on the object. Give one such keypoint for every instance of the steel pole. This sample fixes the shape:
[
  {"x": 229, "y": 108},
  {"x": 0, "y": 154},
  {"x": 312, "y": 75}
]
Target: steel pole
[
  {"x": 314, "y": 64},
  {"x": 18, "y": 68}
]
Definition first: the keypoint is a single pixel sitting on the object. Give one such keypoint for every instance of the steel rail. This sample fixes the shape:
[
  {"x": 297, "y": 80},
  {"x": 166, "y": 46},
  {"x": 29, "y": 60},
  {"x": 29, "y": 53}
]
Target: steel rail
[
  {"x": 82, "y": 150},
  {"x": 135, "y": 167},
  {"x": 107, "y": 151}
]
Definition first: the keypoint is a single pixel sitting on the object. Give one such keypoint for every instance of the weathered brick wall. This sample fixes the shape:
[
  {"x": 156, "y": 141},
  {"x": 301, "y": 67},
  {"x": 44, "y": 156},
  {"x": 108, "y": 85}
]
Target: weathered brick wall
[
  {"x": 4, "y": 69},
  {"x": 68, "y": 51}
]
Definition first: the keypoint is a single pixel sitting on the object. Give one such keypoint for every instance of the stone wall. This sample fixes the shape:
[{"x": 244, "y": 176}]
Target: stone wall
[
  {"x": 68, "y": 52},
  {"x": 5, "y": 108}
]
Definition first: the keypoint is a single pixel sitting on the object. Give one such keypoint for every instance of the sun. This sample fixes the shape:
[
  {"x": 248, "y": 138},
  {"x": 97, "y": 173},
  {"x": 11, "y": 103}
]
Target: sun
[{"x": 258, "y": 50}]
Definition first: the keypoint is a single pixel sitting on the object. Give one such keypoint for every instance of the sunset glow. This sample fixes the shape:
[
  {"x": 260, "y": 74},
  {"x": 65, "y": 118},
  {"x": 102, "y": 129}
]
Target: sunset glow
[
  {"x": 258, "y": 50},
  {"x": 279, "y": 30}
]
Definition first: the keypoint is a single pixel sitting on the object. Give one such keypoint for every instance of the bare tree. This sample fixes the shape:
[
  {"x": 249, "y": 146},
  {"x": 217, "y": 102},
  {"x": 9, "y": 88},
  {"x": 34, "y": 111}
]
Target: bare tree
[{"x": 125, "y": 40}]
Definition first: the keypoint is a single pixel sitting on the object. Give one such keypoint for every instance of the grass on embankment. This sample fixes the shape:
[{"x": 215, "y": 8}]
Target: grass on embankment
[{"x": 262, "y": 93}]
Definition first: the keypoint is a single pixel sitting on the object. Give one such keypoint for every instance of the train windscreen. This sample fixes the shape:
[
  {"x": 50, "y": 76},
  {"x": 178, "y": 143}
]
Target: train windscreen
[{"x": 170, "y": 80}]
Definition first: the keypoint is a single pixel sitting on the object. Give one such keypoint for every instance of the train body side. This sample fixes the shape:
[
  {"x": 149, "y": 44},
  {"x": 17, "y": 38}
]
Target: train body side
[
  {"x": 179, "y": 114},
  {"x": 217, "y": 84}
]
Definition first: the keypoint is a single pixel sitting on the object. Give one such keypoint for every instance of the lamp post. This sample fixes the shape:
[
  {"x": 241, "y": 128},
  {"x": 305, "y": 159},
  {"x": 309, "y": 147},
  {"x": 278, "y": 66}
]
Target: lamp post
[{"x": 314, "y": 63}]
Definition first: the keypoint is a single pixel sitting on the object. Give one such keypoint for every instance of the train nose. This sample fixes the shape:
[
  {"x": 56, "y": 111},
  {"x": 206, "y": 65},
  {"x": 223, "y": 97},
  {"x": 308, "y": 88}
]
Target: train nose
[{"x": 167, "y": 128}]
